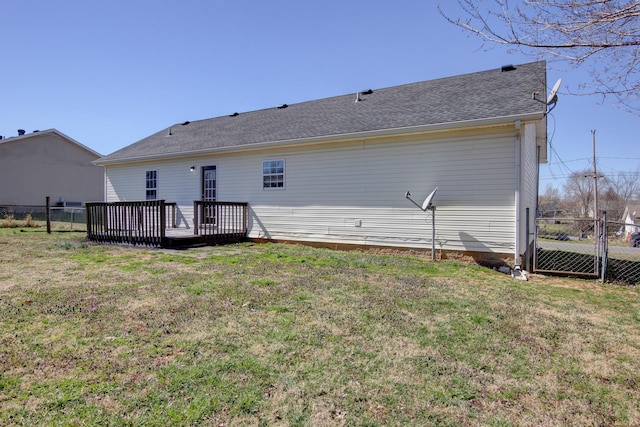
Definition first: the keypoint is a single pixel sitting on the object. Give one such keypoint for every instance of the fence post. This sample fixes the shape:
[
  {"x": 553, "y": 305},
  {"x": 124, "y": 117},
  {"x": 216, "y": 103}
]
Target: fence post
[
  {"x": 47, "y": 214},
  {"x": 88, "y": 212},
  {"x": 605, "y": 246}
]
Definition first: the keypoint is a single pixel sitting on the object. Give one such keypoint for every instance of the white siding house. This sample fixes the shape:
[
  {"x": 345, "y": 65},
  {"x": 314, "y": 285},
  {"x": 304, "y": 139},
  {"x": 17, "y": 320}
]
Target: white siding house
[
  {"x": 336, "y": 171},
  {"x": 631, "y": 219}
]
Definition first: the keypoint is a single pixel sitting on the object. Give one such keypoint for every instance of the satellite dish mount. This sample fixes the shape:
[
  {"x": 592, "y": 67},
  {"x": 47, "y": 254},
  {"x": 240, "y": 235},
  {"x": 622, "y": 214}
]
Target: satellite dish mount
[
  {"x": 427, "y": 205},
  {"x": 552, "y": 99}
]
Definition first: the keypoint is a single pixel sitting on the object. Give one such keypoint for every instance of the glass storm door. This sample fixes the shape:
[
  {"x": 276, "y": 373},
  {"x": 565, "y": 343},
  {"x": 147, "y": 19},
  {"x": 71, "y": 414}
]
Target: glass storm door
[{"x": 208, "y": 193}]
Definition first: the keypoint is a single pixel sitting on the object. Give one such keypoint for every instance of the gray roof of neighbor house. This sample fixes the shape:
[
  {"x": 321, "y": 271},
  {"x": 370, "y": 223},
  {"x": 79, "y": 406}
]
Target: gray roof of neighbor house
[{"x": 499, "y": 95}]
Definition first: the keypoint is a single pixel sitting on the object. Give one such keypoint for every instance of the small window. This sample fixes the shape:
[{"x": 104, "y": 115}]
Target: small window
[
  {"x": 152, "y": 185},
  {"x": 273, "y": 174}
]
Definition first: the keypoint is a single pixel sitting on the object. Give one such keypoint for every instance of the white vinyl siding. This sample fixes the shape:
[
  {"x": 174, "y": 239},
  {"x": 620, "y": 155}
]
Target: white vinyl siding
[
  {"x": 179, "y": 185},
  {"x": 529, "y": 181},
  {"x": 330, "y": 186}
]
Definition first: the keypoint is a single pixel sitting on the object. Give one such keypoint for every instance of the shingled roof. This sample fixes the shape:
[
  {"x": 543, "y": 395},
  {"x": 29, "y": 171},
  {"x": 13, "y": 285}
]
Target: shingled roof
[{"x": 488, "y": 95}]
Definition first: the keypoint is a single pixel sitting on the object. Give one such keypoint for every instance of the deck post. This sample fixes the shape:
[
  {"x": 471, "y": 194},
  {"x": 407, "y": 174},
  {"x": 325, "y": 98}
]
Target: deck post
[
  {"x": 245, "y": 211},
  {"x": 196, "y": 227},
  {"x": 163, "y": 221}
]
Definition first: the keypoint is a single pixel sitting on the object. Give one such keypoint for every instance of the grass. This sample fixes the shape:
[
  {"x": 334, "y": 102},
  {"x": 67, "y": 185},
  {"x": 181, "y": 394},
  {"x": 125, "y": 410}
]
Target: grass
[
  {"x": 289, "y": 335},
  {"x": 57, "y": 223}
]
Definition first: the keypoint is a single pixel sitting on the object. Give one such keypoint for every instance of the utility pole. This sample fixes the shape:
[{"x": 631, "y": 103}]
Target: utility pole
[
  {"x": 595, "y": 176},
  {"x": 596, "y": 220}
]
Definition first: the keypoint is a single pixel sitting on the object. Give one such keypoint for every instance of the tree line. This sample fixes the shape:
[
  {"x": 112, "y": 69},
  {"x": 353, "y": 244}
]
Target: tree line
[{"x": 576, "y": 197}]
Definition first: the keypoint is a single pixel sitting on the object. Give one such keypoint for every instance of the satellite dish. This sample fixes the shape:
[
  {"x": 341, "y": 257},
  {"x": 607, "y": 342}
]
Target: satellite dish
[
  {"x": 553, "y": 96},
  {"x": 427, "y": 202}
]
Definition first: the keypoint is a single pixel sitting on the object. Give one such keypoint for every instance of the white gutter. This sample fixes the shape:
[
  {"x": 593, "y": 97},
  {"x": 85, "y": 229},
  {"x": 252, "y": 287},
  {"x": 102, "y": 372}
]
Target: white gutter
[{"x": 333, "y": 138}]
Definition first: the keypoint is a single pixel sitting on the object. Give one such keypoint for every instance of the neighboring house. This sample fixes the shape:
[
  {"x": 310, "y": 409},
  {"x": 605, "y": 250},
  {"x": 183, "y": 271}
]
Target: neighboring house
[
  {"x": 336, "y": 170},
  {"x": 48, "y": 163},
  {"x": 631, "y": 219}
]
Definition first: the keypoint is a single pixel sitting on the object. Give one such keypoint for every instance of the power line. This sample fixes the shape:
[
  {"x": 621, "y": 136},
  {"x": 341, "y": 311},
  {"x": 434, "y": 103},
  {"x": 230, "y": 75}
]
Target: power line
[{"x": 553, "y": 150}]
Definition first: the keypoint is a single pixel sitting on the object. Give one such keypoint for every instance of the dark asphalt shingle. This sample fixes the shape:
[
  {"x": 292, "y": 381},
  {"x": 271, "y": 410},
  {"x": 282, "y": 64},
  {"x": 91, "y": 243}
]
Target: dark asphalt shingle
[{"x": 475, "y": 96}]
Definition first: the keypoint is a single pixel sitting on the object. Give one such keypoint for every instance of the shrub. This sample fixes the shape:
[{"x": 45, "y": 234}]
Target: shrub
[
  {"x": 9, "y": 221},
  {"x": 29, "y": 221}
]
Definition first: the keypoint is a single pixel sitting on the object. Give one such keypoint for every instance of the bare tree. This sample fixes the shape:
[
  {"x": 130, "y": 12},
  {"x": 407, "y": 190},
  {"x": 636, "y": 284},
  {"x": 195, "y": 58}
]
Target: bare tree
[
  {"x": 578, "y": 191},
  {"x": 618, "y": 191},
  {"x": 601, "y": 36},
  {"x": 549, "y": 202}
]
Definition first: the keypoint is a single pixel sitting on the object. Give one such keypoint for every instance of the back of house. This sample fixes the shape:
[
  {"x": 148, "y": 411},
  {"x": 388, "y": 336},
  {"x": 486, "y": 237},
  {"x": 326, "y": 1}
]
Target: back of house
[{"x": 336, "y": 171}]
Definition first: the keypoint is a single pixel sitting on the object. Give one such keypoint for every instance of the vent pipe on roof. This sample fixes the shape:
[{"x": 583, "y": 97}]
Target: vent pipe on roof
[
  {"x": 363, "y": 92},
  {"x": 20, "y": 132}
]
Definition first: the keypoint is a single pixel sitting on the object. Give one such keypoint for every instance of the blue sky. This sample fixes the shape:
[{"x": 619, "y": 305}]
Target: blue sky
[{"x": 108, "y": 73}]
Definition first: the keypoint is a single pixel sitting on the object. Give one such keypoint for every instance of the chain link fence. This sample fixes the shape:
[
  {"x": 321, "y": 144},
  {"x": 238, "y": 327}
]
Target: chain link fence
[
  {"x": 622, "y": 263},
  {"x": 63, "y": 218},
  {"x": 586, "y": 247},
  {"x": 567, "y": 245}
]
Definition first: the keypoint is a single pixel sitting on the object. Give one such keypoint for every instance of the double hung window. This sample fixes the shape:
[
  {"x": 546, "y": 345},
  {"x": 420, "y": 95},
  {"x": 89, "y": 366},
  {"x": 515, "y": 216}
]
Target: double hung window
[
  {"x": 273, "y": 174},
  {"x": 152, "y": 185}
]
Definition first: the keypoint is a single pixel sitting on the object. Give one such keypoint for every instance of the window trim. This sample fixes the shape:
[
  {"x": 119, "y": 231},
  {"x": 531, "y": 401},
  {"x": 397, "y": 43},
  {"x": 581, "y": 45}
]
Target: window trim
[
  {"x": 274, "y": 174},
  {"x": 153, "y": 180}
]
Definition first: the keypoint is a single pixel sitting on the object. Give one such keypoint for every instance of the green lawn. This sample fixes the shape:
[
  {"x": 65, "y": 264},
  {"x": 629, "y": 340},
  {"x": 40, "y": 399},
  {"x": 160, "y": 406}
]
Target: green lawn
[{"x": 290, "y": 335}]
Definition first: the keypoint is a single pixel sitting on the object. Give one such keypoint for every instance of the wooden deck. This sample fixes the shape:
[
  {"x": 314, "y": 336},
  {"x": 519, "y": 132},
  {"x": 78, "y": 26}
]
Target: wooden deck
[
  {"x": 184, "y": 238},
  {"x": 152, "y": 223}
]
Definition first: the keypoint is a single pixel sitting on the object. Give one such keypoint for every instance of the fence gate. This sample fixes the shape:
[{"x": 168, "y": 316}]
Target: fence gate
[{"x": 569, "y": 246}]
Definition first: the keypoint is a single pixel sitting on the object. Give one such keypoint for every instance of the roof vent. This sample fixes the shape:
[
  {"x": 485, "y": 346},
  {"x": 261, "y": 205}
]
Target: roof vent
[
  {"x": 20, "y": 132},
  {"x": 1, "y": 137},
  {"x": 186, "y": 123},
  {"x": 362, "y": 92},
  {"x": 234, "y": 114},
  {"x": 506, "y": 68},
  {"x": 283, "y": 106},
  {"x": 36, "y": 131}
]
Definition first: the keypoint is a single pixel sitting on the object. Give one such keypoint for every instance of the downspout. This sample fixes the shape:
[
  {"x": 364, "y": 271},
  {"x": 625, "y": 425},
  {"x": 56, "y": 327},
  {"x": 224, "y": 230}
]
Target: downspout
[
  {"x": 518, "y": 244},
  {"x": 104, "y": 184}
]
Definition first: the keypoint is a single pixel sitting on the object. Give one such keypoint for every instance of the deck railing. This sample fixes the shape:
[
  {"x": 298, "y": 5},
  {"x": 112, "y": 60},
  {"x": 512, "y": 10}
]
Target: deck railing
[
  {"x": 136, "y": 223},
  {"x": 146, "y": 222},
  {"x": 218, "y": 222}
]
